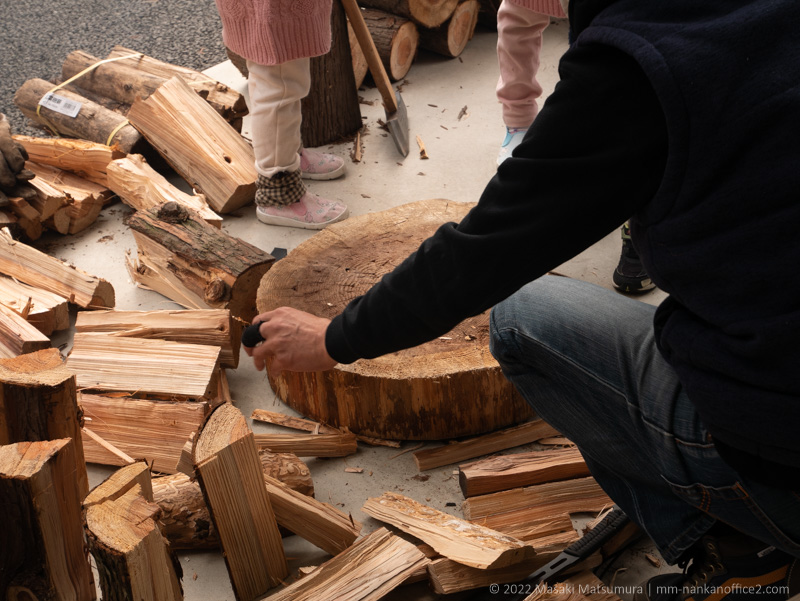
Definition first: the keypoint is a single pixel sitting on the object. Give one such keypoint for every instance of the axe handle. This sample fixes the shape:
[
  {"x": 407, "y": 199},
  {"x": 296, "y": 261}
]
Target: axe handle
[{"x": 371, "y": 54}]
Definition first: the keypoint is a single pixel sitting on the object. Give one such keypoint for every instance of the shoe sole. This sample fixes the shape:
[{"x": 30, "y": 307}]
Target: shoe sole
[
  {"x": 323, "y": 176},
  {"x": 287, "y": 222}
]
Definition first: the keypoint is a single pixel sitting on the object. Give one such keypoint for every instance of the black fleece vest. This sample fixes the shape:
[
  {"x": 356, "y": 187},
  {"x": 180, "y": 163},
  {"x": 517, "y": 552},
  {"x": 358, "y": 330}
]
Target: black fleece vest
[{"x": 722, "y": 236}]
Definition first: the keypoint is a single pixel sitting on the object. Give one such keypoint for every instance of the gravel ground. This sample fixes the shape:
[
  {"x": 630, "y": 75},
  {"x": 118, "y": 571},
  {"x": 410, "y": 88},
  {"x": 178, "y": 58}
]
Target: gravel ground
[{"x": 39, "y": 34}]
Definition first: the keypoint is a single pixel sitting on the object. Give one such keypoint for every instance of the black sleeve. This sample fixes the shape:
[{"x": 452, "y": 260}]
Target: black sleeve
[{"x": 594, "y": 155}]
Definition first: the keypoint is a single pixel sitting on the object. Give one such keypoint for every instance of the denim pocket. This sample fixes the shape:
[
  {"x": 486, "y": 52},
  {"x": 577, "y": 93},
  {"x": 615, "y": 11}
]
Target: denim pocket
[{"x": 734, "y": 505}]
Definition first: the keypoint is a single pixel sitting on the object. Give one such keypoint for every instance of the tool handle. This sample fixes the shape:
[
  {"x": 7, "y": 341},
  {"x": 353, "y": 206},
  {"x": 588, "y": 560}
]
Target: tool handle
[
  {"x": 252, "y": 335},
  {"x": 371, "y": 54},
  {"x": 599, "y": 535}
]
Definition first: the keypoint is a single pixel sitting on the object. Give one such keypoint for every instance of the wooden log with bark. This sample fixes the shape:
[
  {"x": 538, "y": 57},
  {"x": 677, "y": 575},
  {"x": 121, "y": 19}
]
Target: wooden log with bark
[
  {"x": 309, "y": 445},
  {"x": 93, "y": 122},
  {"x": 115, "y": 80},
  {"x": 501, "y": 509},
  {"x": 195, "y": 264},
  {"x": 38, "y": 402},
  {"x": 42, "y": 545},
  {"x": 132, "y": 557},
  {"x": 454, "y": 538},
  {"x": 396, "y": 39},
  {"x": 450, "y": 38},
  {"x": 210, "y": 327},
  {"x": 199, "y": 144},
  {"x": 142, "y": 187},
  {"x": 157, "y": 368},
  {"x": 151, "y": 430},
  {"x": 45, "y": 311},
  {"x": 504, "y": 472},
  {"x": 33, "y": 267},
  {"x": 424, "y": 393},
  {"x": 494, "y": 442},
  {"x": 85, "y": 198},
  {"x": 428, "y": 13},
  {"x": 230, "y": 476},
  {"x": 229, "y": 103},
  {"x": 366, "y": 571},
  {"x": 331, "y": 110},
  {"x": 185, "y": 520},
  {"x": 88, "y": 160},
  {"x": 17, "y": 336}
]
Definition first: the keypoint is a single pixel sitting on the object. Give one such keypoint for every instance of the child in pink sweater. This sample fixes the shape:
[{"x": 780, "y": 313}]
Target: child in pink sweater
[
  {"x": 278, "y": 37},
  {"x": 520, "y": 24}
]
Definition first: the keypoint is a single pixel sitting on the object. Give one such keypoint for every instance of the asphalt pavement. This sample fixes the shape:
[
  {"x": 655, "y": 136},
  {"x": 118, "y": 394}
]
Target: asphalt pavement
[{"x": 37, "y": 35}]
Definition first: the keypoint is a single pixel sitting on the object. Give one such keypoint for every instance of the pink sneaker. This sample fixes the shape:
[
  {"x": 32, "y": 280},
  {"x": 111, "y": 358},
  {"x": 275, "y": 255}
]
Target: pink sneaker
[
  {"x": 320, "y": 165},
  {"x": 310, "y": 212}
]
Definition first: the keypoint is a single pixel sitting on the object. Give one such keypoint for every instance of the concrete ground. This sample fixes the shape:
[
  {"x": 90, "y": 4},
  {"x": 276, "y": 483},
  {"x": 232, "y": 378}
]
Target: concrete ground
[{"x": 452, "y": 108}]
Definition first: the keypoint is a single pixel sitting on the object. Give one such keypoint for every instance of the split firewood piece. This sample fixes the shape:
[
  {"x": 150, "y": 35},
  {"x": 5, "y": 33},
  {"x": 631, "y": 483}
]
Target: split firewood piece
[
  {"x": 545, "y": 534},
  {"x": 48, "y": 201},
  {"x": 142, "y": 187},
  {"x": 396, "y": 39},
  {"x": 17, "y": 336},
  {"x": 42, "y": 544},
  {"x": 132, "y": 557},
  {"x": 195, "y": 264},
  {"x": 360, "y": 66},
  {"x": 503, "y": 472},
  {"x": 45, "y": 311},
  {"x": 160, "y": 368},
  {"x": 120, "y": 482},
  {"x": 151, "y": 430},
  {"x": 483, "y": 445},
  {"x": 38, "y": 402},
  {"x": 229, "y": 103},
  {"x": 310, "y": 445},
  {"x": 583, "y": 586},
  {"x": 451, "y": 37},
  {"x": 28, "y": 218},
  {"x": 540, "y": 500},
  {"x": 199, "y": 144},
  {"x": 447, "y": 576},
  {"x": 185, "y": 520},
  {"x": 33, "y": 267},
  {"x": 230, "y": 476},
  {"x": 296, "y": 423},
  {"x": 428, "y": 13},
  {"x": 92, "y": 121},
  {"x": 86, "y": 198},
  {"x": 319, "y": 523},
  {"x": 211, "y": 327},
  {"x": 452, "y": 537},
  {"x": 185, "y": 465},
  {"x": 367, "y": 571},
  {"x": 85, "y": 159}
]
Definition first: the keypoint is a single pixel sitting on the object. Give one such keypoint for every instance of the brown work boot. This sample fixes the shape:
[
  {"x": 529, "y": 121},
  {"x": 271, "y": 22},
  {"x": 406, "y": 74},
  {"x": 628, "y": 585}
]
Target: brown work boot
[{"x": 729, "y": 568}]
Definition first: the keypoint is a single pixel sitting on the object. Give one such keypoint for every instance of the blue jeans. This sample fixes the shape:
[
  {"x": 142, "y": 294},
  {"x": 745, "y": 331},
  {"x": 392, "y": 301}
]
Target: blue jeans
[{"x": 585, "y": 359}]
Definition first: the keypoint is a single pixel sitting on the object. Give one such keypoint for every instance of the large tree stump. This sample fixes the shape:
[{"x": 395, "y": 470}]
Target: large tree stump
[
  {"x": 331, "y": 110},
  {"x": 446, "y": 388},
  {"x": 396, "y": 39},
  {"x": 428, "y": 13},
  {"x": 451, "y": 37}
]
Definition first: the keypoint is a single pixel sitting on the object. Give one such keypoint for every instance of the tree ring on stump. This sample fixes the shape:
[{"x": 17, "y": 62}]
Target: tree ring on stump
[{"x": 446, "y": 388}]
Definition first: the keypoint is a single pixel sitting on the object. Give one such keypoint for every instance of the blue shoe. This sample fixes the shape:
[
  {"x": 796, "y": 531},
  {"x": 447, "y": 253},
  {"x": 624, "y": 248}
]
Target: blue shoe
[{"x": 513, "y": 137}]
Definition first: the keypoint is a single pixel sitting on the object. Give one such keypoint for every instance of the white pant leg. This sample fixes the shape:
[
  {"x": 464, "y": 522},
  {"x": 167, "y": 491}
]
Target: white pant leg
[
  {"x": 519, "y": 44},
  {"x": 275, "y": 116}
]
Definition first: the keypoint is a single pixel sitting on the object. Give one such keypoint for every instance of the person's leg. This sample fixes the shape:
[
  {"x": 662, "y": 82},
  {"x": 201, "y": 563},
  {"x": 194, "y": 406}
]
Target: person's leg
[
  {"x": 585, "y": 358},
  {"x": 519, "y": 43},
  {"x": 276, "y": 92}
]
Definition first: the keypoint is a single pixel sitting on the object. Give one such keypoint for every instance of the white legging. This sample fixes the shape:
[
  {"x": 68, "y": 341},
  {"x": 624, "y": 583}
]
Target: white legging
[{"x": 275, "y": 116}]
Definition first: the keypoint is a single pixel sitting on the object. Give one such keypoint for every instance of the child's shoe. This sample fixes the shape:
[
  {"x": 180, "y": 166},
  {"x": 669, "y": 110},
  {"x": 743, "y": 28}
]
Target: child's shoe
[
  {"x": 311, "y": 213},
  {"x": 320, "y": 165},
  {"x": 513, "y": 137}
]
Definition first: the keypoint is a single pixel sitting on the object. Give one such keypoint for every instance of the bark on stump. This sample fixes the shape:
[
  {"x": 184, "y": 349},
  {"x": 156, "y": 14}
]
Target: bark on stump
[
  {"x": 449, "y": 387},
  {"x": 331, "y": 110}
]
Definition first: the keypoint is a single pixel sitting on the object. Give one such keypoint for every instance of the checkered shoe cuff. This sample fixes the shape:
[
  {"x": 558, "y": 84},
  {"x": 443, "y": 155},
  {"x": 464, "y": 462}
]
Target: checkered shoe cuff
[{"x": 282, "y": 189}]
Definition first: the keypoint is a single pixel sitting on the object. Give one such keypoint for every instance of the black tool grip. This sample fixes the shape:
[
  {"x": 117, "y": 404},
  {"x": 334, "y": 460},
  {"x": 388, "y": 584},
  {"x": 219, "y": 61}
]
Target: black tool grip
[
  {"x": 599, "y": 535},
  {"x": 252, "y": 336}
]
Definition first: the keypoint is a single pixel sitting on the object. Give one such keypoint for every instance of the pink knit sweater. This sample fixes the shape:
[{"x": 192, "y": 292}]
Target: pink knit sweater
[
  {"x": 270, "y": 32},
  {"x": 546, "y": 7}
]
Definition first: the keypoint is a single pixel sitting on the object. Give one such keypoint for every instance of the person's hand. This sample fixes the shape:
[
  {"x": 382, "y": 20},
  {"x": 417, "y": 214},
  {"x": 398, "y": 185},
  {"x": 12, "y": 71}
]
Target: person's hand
[
  {"x": 293, "y": 340},
  {"x": 12, "y": 157}
]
